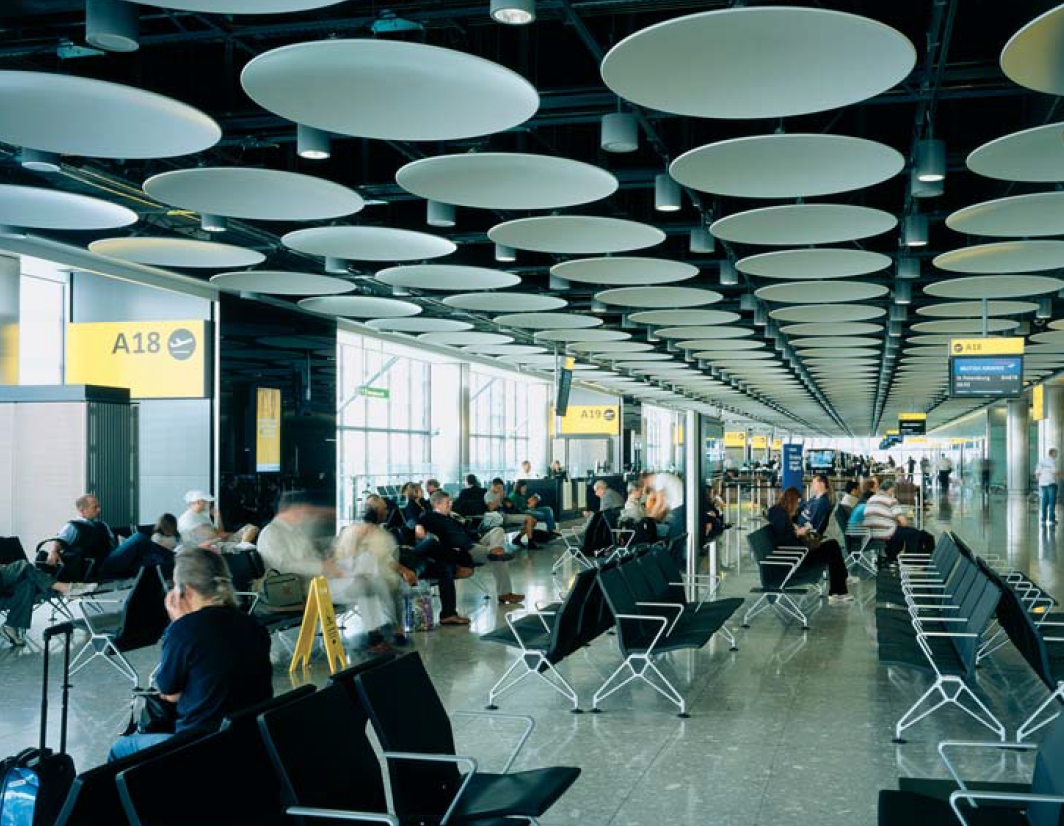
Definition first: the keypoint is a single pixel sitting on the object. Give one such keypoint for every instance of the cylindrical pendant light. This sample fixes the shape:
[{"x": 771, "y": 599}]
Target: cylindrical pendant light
[
  {"x": 620, "y": 132},
  {"x": 598, "y": 306},
  {"x": 747, "y": 302},
  {"x": 908, "y": 267},
  {"x": 651, "y": 337},
  {"x": 1045, "y": 308},
  {"x": 702, "y": 241},
  {"x": 112, "y": 25},
  {"x": 903, "y": 293},
  {"x": 760, "y": 316},
  {"x": 311, "y": 143},
  {"x": 505, "y": 253},
  {"x": 925, "y": 189},
  {"x": 336, "y": 266},
  {"x": 513, "y": 12},
  {"x": 898, "y": 312},
  {"x": 895, "y": 329},
  {"x": 914, "y": 231},
  {"x": 399, "y": 292},
  {"x": 666, "y": 193},
  {"x": 556, "y": 283},
  {"x": 439, "y": 214},
  {"x": 930, "y": 160},
  {"x": 39, "y": 161},
  {"x": 213, "y": 223}
]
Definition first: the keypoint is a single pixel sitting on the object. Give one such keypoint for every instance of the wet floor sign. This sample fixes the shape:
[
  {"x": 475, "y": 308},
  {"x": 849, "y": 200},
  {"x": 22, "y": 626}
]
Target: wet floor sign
[{"x": 319, "y": 612}]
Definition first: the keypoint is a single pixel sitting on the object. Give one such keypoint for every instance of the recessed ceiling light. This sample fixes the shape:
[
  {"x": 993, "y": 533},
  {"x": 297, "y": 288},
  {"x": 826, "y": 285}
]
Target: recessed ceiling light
[
  {"x": 513, "y": 12},
  {"x": 311, "y": 143}
]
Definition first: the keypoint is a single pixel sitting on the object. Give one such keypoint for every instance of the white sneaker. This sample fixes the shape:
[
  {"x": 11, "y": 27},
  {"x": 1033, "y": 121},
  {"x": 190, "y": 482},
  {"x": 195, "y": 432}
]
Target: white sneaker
[
  {"x": 840, "y": 599},
  {"x": 15, "y": 636},
  {"x": 80, "y": 589}
]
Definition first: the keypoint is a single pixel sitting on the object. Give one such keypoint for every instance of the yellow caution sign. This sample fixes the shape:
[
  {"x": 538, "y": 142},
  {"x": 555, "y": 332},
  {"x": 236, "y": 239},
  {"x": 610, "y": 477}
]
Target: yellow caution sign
[
  {"x": 986, "y": 346},
  {"x": 319, "y": 612},
  {"x": 1038, "y": 402}
]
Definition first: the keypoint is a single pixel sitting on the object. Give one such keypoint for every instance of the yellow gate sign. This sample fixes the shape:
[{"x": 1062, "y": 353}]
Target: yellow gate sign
[
  {"x": 589, "y": 420},
  {"x": 153, "y": 359},
  {"x": 759, "y": 442},
  {"x": 735, "y": 438},
  {"x": 319, "y": 611},
  {"x": 986, "y": 346},
  {"x": 1038, "y": 402}
]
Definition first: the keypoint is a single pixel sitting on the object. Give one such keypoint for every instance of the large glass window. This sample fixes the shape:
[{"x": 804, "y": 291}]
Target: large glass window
[
  {"x": 42, "y": 313},
  {"x": 507, "y": 423}
]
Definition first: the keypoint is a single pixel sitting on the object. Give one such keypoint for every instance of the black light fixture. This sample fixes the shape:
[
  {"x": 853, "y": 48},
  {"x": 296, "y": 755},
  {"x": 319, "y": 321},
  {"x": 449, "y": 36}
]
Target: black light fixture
[
  {"x": 112, "y": 25},
  {"x": 925, "y": 189},
  {"x": 556, "y": 283},
  {"x": 666, "y": 193},
  {"x": 439, "y": 214},
  {"x": 908, "y": 267},
  {"x": 513, "y": 12},
  {"x": 38, "y": 160},
  {"x": 213, "y": 223},
  {"x": 903, "y": 292},
  {"x": 760, "y": 316},
  {"x": 598, "y": 307},
  {"x": 311, "y": 143}
]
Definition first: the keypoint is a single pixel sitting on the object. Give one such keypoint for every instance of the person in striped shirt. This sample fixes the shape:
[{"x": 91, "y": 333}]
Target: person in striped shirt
[{"x": 885, "y": 519}]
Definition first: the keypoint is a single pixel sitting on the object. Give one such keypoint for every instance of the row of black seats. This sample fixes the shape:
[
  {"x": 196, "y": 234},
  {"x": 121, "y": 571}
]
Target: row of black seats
[
  {"x": 306, "y": 754},
  {"x": 642, "y": 596}
]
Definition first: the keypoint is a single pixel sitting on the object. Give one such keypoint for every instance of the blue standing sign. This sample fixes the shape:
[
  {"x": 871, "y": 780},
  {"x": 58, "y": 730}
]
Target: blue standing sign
[{"x": 792, "y": 467}]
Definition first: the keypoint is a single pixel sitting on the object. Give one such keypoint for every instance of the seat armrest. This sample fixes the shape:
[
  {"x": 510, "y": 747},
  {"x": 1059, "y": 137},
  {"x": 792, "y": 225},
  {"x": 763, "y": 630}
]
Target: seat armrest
[
  {"x": 530, "y": 725},
  {"x": 468, "y": 762},
  {"x": 342, "y": 814},
  {"x": 1000, "y": 797}
]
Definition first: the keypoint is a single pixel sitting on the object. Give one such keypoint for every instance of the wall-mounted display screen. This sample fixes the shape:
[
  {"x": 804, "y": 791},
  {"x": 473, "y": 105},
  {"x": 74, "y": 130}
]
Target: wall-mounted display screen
[
  {"x": 994, "y": 376},
  {"x": 821, "y": 459}
]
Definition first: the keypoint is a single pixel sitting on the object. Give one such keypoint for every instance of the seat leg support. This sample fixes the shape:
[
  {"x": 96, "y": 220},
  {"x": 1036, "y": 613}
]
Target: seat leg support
[
  {"x": 666, "y": 689},
  {"x": 950, "y": 690},
  {"x": 1028, "y": 727}
]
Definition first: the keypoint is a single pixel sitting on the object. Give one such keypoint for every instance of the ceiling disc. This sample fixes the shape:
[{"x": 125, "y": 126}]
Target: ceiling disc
[
  {"x": 504, "y": 349},
  {"x": 994, "y": 325},
  {"x": 974, "y": 309},
  {"x": 596, "y": 347},
  {"x": 419, "y": 325},
  {"x": 825, "y": 262},
  {"x": 933, "y": 338},
  {"x": 570, "y": 335},
  {"x": 506, "y": 180},
  {"x": 624, "y": 270},
  {"x": 361, "y": 306},
  {"x": 720, "y": 345},
  {"x": 458, "y": 339},
  {"x": 831, "y": 354},
  {"x": 177, "y": 252},
  {"x": 1049, "y": 337},
  {"x": 1020, "y": 216},
  {"x": 696, "y": 331},
  {"x": 1031, "y": 58},
  {"x": 575, "y": 234},
  {"x": 994, "y": 286},
  {"x": 676, "y": 318},
  {"x": 389, "y": 89},
  {"x": 799, "y": 224},
  {"x": 757, "y": 62},
  {"x": 820, "y": 292},
  {"x": 368, "y": 243},
  {"x": 274, "y": 282},
  {"x": 852, "y": 328},
  {"x": 658, "y": 297},
  {"x": 1004, "y": 256},
  {"x": 547, "y": 321},
  {"x": 827, "y": 314},
  {"x": 74, "y": 115},
  {"x": 504, "y": 302},
  {"x": 786, "y": 165},
  {"x": 447, "y": 277},
  {"x": 818, "y": 342},
  {"x": 39, "y": 208},
  {"x": 245, "y": 6},
  {"x": 1031, "y": 155},
  {"x": 633, "y": 356},
  {"x": 718, "y": 356}
]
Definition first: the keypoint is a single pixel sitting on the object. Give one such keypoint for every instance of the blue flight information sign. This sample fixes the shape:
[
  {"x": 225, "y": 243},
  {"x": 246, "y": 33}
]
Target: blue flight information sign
[{"x": 995, "y": 376}]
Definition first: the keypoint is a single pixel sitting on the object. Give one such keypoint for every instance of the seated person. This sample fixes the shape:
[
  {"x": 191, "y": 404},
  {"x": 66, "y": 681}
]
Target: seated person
[
  {"x": 817, "y": 510},
  {"x": 525, "y": 471},
  {"x": 523, "y": 503},
  {"x": 431, "y": 486},
  {"x": 82, "y": 544},
  {"x": 215, "y": 658},
  {"x": 850, "y": 496},
  {"x": 142, "y": 550},
  {"x": 885, "y": 519},
  {"x": 197, "y": 523},
  {"x": 665, "y": 505},
  {"x": 490, "y": 548},
  {"x": 824, "y": 553},
  {"x": 495, "y": 501},
  {"x": 715, "y": 507},
  {"x": 289, "y": 544},
  {"x": 557, "y": 471},
  {"x": 633, "y": 510},
  {"x": 868, "y": 490},
  {"x": 470, "y": 501},
  {"x": 22, "y": 586},
  {"x": 413, "y": 504},
  {"x": 609, "y": 499},
  {"x": 373, "y": 577}
]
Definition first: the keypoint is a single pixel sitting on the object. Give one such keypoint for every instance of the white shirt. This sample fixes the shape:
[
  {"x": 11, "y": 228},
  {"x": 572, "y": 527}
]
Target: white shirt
[
  {"x": 945, "y": 464},
  {"x": 1046, "y": 471},
  {"x": 196, "y": 527}
]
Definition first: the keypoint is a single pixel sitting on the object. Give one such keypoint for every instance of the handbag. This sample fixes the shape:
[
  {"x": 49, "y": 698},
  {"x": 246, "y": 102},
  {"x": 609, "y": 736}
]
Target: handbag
[
  {"x": 281, "y": 592},
  {"x": 157, "y": 716},
  {"x": 419, "y": 614}
]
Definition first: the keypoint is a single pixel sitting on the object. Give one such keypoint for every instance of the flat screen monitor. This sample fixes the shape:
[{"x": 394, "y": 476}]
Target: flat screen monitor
[
  {"x": 562, "y": 386},
  {"x": 985, "y": 376},
  {"x": 822, "y": 459}
]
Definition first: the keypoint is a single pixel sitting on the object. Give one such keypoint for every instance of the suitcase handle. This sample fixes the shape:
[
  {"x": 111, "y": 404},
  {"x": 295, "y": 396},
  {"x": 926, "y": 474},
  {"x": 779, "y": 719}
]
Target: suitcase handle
[{"x": 67, "y": 629}]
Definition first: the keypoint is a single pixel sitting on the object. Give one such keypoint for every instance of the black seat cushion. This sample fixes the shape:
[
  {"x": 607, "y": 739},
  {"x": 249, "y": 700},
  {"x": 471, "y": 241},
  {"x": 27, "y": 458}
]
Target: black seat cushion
[
  {"x": 911, "y": 809},
  {"x": 528, "y": 793}
]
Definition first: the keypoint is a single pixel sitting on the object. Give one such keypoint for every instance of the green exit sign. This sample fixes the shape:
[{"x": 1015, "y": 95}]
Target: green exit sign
[{"x": 374, "y": 392}]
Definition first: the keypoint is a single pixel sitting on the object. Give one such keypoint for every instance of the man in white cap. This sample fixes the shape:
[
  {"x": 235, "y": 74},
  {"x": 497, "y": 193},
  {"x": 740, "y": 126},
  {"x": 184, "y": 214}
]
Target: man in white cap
[{"x": 196, "y": 525}]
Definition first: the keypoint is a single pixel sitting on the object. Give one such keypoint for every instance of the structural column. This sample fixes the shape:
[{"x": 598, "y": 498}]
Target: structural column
[
  {"x": 693, "y": 494},
  {"x": 1053, "y": 425},
  {"x": 1017, "y": 446}
]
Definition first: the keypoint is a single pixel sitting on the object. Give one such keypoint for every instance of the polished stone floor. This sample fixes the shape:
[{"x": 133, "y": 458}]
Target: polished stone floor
[{"x": 793, "y": 728}]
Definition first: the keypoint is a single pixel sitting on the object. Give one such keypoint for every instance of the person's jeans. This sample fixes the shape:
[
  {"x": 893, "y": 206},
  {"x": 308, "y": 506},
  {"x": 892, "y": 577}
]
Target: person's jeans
[
  {"x": 545, "y": 514},
  {"x": 25, "y": 586},
  {"x": 133, "y": 554},
  {"x": 943, "y": 480},
  {"x": 132, "y": 743},
  {"x": 1048, "y": 511}
]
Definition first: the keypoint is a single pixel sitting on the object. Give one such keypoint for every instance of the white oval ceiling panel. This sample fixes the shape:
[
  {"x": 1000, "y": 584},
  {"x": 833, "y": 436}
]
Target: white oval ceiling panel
[
  {"x": 81, "y": 116},
  {"x": 932, "y": 338},
  {"x": 389, "y": 89},
  {"x": 1031, "y": 155},
  {"x": 275, "y": 282},
  {"x": 251, "y": 193},
  {"x": 569, "y": 335},
  {"x": 547, "y": 321},
  {"x": 800, "y": 224},
  {"x": 369, "y": 244},
  {"x": 820, "y": 354},
  {"x": 720, "y": 345},
  {"x": 994, "y": 286},
  {"x": 1049, "y": 337},
  {"x": 419, "y": 325},
  {"x": 974, "y": 309},
  {"x": 39, "y": 208},
  {"x": 177, "y": 252},
  {"x": 786, "y": 165},
  {"x": 827, "y": 314},
  {"x": 825, "y": 262},
  {"x": 757, "y": 62},
  {"x": 617, "y": 270},
  {"x": 994, "y": 325},
  {"x": 1019, "y": 216},
  {"x": 361, "y": 306},
  {"x": 636, "y": 356},
  {"x": 506, "y": 180},
  {"x": 460, "y": 339},
  {"x": 504, "y": 302},
  {"x": 697, "y": 331},
  {"x": 244, "y": 6},
  {"x": 602, "y": 347},
  {"x": 575, "y": 234},
  {"x": 819, "y": 342},
  {"x": 447, "y": 277},
  {"x": 504, "y": 349},
  {"x": 820, "y": 292},
  {"x": 658, "y": 297},
  {"x": 852, "y": 328},
  {"x": 1031, "y": 58},
  {"x": 675, "y": 318},
  {"x": 1004, "y": 256},
  {"x": 715, "y": 355}
]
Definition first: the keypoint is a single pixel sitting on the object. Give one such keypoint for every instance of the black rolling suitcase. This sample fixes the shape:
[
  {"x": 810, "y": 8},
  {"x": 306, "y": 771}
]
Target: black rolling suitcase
[{"x": 35, "y": 782}]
